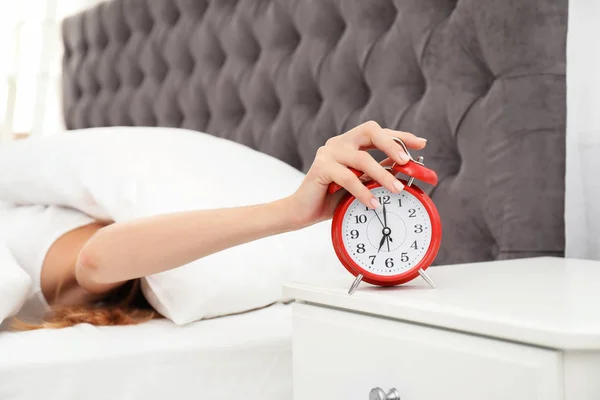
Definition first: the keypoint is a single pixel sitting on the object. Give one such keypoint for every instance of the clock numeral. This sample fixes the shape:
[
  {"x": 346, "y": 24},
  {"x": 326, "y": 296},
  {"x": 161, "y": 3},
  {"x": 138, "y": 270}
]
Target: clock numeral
[
  {"x": 372, "y": 259},
  {"x": 360, "y": 248},
  {"x": 354, "y": 234},
  {"x": 389, "y": 263},
  {"x": 384, "y": 200},
  {"x": 361, "y": 219},
  {"x": 412, "y": 213},
  {"x": 414, "y": 245},
  {"x": 404, "y": 257},
  {"x": 418, "y": 228},
  {"x": 399, "y": 202}
]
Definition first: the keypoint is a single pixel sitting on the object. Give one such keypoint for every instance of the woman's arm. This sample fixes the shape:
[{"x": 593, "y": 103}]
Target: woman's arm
[{"x": 124, "y": 251}]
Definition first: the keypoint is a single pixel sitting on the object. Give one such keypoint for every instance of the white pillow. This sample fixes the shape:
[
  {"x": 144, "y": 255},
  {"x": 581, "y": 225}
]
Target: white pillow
[
  {"x": 122, "y": 173},
  {"x": 14, "y": 284}
]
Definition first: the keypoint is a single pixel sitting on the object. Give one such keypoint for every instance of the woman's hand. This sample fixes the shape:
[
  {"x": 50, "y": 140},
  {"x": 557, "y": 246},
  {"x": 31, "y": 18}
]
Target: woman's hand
[{"x": 312, "y": 203}]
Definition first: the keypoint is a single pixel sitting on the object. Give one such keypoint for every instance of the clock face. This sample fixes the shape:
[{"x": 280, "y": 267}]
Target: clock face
[{"x": 390, "y": 240}]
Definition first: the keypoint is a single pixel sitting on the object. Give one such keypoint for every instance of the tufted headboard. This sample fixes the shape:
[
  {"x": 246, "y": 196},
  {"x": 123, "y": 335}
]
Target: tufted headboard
[{"x": 482, "y": 80}]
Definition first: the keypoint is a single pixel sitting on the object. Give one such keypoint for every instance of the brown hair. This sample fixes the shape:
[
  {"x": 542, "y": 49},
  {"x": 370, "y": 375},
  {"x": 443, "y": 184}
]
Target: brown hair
[{"x": 126, "y": 306}]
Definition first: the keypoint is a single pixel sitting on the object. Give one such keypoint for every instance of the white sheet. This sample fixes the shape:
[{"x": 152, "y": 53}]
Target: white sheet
[
  {"x": 246, "y": 356},
  {"x": 15, "y": 284}
]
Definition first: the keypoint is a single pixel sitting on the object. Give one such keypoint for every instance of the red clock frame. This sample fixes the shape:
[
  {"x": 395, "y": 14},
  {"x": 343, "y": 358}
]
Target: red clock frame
[{"x": 382, "y": 280}]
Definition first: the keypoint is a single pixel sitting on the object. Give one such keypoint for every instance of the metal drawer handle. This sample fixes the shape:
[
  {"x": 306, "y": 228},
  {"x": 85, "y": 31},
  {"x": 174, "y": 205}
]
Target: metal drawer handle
[{"x": 379, "y": 394}]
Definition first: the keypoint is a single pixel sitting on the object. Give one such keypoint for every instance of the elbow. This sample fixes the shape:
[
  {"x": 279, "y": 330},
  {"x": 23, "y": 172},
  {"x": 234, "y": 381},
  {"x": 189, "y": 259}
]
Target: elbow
[{"x": 89, "y": 270}]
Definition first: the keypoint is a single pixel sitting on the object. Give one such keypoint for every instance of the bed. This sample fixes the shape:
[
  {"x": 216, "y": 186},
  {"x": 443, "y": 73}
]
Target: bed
[
  {"x": 244, "y": 356},
  {"x": 483, "y": 81}
]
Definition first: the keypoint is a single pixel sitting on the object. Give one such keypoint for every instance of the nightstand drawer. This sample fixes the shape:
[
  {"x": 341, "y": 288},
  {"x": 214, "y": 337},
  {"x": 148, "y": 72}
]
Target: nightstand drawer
[{"x": 340, "y": 355}]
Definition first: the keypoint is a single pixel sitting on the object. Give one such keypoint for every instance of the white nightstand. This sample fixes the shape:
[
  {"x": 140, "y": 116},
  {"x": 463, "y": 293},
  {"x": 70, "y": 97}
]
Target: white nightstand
[{"x": 518, "y": 330}]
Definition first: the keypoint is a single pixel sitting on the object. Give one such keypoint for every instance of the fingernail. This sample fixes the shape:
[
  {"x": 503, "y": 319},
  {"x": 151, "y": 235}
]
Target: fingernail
[
  {"x": 422, "y": 139},
  {"x": 403, "y": 156},
  {"x": 375, "y": 203},
  {"x": 398, "y": 186}
]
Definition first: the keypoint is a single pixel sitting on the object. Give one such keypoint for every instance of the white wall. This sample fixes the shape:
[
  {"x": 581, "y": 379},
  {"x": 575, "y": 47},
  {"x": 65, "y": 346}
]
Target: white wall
[
  {"x": 30, "y": 64},
  {"x": 582, "y": 205}
]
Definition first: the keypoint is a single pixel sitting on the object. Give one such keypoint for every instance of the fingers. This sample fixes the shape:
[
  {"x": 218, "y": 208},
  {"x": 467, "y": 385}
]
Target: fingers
[
  {"x": 363, "y": 161},
  {"x": 343, "y": 177},
  {"x": 348, "y": 150},
  {"x": 389, "y": 146},
  {"x": 388, "y": 162},
  {"x": 370, "y": 135},
  {"x": 410, "y": 140}
]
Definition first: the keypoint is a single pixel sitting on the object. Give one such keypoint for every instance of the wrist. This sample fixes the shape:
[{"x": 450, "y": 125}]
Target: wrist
[{"x": 285, "y": 211}]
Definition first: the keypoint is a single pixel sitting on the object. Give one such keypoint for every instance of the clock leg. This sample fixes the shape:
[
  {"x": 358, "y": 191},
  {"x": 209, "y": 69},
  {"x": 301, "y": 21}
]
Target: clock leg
[
  {"x": 427, "y": 278},
  {"x": 355, "y": 283}
]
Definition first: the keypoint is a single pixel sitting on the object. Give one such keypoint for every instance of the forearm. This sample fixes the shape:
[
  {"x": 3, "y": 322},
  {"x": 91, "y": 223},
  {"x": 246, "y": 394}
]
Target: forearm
[{"x": 124, "y": 251}]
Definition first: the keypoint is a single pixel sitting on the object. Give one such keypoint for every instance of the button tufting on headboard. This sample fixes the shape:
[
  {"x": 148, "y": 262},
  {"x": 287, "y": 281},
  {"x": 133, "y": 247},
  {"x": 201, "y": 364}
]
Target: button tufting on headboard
[{"x": 483, "y": 80}]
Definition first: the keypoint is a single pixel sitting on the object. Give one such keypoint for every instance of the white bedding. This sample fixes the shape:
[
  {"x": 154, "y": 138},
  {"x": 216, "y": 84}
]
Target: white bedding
[
  {"x": 112, "y": 173},
  {"x": 245, "y": 356}
]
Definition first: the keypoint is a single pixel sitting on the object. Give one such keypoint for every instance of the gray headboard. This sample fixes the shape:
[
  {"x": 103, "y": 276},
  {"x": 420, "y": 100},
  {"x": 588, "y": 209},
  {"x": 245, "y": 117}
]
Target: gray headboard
[{"x": 482, "y": 80}]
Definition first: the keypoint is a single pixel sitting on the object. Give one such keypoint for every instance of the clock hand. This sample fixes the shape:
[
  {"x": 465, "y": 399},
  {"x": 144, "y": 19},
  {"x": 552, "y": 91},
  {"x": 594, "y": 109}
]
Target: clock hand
[
  {"x": 384, "y": 216},
  {"x": 381, "y": 243},
  {"x": 387, "y": 236}
]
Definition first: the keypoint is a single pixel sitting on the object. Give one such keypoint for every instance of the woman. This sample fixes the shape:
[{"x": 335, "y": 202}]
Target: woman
[{"x": 91, "y": 272}]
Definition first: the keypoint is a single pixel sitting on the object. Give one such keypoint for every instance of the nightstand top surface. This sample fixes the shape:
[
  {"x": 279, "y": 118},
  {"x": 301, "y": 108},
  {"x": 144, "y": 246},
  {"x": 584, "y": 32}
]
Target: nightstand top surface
[{"x": 550, "y": 302}]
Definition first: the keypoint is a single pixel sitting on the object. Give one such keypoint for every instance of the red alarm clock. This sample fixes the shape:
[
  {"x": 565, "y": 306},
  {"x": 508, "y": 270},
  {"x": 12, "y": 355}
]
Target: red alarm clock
[{"x": 395, "y": 243}]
